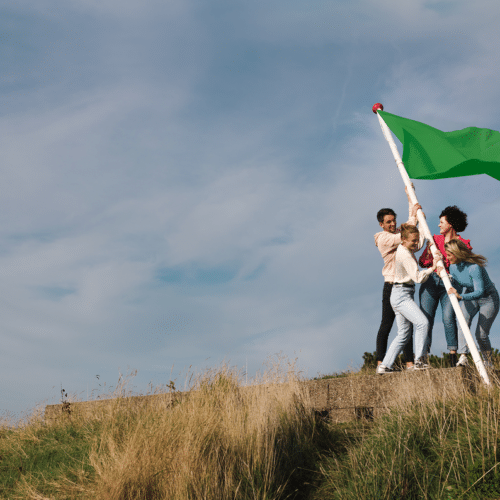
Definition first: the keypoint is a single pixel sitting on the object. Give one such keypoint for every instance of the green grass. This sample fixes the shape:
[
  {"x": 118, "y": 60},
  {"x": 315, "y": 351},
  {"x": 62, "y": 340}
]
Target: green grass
[{"x": 42, "y": 456}]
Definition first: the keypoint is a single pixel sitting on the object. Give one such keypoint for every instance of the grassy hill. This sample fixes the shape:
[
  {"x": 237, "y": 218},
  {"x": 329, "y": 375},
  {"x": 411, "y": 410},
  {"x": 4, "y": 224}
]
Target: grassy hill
[{"x": 222, "y": 440}]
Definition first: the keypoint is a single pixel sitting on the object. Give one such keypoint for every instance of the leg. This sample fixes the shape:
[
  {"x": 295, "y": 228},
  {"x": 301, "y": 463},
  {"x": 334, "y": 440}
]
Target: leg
[
  {"x": 469, "y": 309},
  {"x": 387, "y": 322},
  {"x": 405, "y": 309},
  {"x": 429, "y": 294},
  {"x": 488, "y": 310},
  {"x": 399, "y": 342},
  {"x": 408, "y": 355},
  {"x": 449, "y": 322},
  {"x": 413, "y": 313}
]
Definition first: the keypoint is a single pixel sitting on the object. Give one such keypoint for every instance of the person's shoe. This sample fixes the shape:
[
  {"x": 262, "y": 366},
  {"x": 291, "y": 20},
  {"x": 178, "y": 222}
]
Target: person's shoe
[
  {"x": 410, "y": 368},
  {"x": 487, "y": 360},
  {"x": 381, "y": 369},
  {"x": 421, "y": 365},
  {"x": 463, "y": 361}
]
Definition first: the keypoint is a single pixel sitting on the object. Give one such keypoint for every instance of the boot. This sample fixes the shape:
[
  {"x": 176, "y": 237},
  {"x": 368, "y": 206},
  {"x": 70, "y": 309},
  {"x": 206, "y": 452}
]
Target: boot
[
  {"x": 453, "y": 359},
  {"x": 487, "y": 359}
]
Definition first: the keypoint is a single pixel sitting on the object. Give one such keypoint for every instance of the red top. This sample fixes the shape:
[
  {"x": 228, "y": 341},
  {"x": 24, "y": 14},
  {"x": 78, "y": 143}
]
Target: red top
[{"x": 426, "y": 258}]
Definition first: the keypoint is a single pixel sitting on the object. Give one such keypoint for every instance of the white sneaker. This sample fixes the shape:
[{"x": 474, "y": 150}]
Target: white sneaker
[
  {"x": 381, "y": 369},
  {"x": 463, "y": 361},
  {"x": 421, "y": 365}
]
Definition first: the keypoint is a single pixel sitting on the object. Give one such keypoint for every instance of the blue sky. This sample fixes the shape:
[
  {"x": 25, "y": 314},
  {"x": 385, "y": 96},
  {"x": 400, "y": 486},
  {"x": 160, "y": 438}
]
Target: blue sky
[{"x": 187, "y": 183}]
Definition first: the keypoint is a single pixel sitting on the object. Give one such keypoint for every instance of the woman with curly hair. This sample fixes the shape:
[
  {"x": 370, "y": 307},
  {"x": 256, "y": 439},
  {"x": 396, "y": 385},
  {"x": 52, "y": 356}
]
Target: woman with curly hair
[
  {"x": 468, "y": 274},
  {"x": 451, "y": 222}
]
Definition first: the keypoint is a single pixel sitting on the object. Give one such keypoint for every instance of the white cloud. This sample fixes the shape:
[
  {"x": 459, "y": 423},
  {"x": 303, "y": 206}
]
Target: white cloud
[{"x": 168, "y": 160}]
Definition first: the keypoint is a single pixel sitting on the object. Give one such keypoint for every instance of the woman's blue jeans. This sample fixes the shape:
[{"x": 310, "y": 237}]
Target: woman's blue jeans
[
  {"x": 488, "y": 307},
  {"x": 407, "y": 312},
  {"x": 431, "y": 293}
]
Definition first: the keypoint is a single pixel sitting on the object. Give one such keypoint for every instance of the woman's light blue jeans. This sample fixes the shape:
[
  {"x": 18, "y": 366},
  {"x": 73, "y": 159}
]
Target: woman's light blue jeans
[
  {"x": 488, "y": 307},
  {"x": 431, "y": 293},
  {"x": 407, "y": 312}
]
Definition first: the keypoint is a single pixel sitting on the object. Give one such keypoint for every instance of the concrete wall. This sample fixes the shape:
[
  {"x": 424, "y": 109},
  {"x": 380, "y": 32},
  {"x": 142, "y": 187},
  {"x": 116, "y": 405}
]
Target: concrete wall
[
  {"x": 339, "y": 399},
  {"x": 368, "y": 396}
]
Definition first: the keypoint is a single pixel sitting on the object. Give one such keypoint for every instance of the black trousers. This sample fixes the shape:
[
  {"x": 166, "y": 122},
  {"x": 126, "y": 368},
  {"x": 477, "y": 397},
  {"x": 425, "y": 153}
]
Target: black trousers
[{"x": 388, "y": 317}]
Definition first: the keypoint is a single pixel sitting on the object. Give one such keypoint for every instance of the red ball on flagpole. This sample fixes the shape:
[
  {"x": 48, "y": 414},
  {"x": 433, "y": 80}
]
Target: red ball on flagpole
[{"x": 376, "y": 107}]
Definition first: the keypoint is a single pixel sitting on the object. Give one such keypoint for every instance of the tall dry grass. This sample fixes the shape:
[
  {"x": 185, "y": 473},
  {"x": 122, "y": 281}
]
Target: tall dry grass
[
  {"x": 219, "y": 441},
  {"x": 222, "y": 439}
]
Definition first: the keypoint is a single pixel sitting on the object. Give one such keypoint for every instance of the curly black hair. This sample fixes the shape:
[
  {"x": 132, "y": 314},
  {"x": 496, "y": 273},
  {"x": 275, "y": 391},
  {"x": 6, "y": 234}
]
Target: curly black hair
[{"x": 455, "y": 217}]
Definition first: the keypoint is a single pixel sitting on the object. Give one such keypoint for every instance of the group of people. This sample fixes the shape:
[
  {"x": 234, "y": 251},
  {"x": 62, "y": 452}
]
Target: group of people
[{"x": 470, "y": 284}]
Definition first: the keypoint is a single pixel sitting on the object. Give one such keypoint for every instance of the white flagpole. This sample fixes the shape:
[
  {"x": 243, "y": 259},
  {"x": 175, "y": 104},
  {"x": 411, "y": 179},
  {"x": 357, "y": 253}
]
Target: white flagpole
[{"x": 425, "y": 229}]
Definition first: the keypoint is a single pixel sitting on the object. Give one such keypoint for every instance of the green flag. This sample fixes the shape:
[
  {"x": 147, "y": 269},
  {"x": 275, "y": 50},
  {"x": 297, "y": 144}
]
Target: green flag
[{"x": 429, "y": 153}]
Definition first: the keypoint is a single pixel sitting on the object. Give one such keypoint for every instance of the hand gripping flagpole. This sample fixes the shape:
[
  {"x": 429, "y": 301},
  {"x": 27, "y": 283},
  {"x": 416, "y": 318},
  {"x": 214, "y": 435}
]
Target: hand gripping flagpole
[{"x": 425, "y": 229}]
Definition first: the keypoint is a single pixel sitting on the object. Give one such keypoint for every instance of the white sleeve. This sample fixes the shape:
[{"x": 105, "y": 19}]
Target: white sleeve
[
  {"x": 411, "y": 268},
  {"x": 411, "y": 220},
  {"x": 421, "y": 240}
]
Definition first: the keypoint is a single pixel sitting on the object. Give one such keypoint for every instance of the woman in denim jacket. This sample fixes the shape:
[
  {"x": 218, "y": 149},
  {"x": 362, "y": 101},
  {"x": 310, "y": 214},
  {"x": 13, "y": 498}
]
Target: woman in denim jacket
[{"x": 469, "y": 275}]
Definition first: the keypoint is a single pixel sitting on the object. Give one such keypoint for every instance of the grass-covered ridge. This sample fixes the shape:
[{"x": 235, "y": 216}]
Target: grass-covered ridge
[
  {"x": 220, "y": 440},
  {"x": 436, "y": 450},
  {"x": 223, "y": 439}
]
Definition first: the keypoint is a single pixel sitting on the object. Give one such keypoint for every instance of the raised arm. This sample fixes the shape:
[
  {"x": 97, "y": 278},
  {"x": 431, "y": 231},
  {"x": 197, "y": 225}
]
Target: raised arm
[{"x": 412, "y": 209}]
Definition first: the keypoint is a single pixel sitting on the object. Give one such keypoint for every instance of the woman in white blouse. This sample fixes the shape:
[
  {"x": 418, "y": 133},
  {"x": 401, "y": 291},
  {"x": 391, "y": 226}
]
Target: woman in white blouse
[{"x": 405, "y": 308}]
